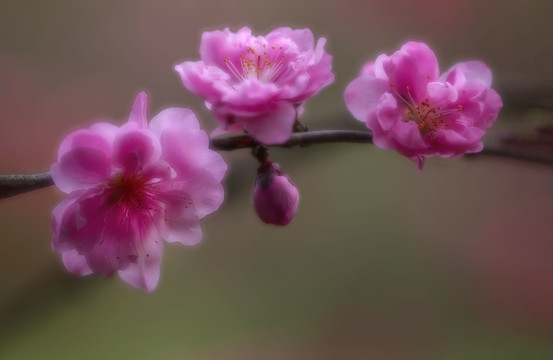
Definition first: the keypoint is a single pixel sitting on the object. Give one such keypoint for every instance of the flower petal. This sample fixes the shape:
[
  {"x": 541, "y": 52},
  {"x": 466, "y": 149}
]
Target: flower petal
[
  {"x": 424, "y": 57},
  {"x": 75, "y": 263},
  {"x": 368, "y": 69},
  {"x": 98, "y": 136},
  {"x": 302, "y": 38},
  {"x": 133, "y": 148},
  {"x": 472, "y": 70},
  {"x": 144, "y": 273},
  {"x": 383, "y": 66},
  {"x": 362, "y": 95},
  {"x": 187, "y": 151},
  {"x": 319, "y": 71},
  {"x": 125, "y": 232},
  {"x": 205, "y": 81},
  {"x": 384, "y": 117},
  {"x": 173, "y": 117},
  {"x": 492, "y": 105},
  {"x": 81, "y": 168},
  {"x": 450, "y": 143},
  {"x": 139, "y": 108},
  {"x": 107, "y": 131},
  {"x": 206, "y": 192},
  {"x": 182, "y": 223},
  {"x": 60, "y": 212},
  {"x": 250, "y": 97},
  {"x": 79, "y": 221},
  {"x": 408, "y": 140},
  {"x": 406, "y": 77},
  {"x": 158, "y": 171},
  {"x": 216, "y": 46},
  {"x": 274, "y": 127},
  {"x": 441, "y": 92}
]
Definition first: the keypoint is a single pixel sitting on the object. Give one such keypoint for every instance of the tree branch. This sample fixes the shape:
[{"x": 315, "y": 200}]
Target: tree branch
[
  {"x": 234, "y": 142},
  {"x": 11, "y": 185}
]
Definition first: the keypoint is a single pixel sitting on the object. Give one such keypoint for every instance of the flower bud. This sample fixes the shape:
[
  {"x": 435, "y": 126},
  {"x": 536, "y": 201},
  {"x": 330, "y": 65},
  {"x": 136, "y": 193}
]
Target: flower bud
[{"x": 275, "y": 198}]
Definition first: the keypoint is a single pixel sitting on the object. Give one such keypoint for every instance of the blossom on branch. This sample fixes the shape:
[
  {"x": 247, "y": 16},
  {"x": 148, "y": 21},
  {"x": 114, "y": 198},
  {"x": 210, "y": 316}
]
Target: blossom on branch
[
  {"x": 411, "y": 109},
  {"x": 258, "y": 83},
  {"x": 128, "y": 188},
  {"x": 275, "y": 197}
]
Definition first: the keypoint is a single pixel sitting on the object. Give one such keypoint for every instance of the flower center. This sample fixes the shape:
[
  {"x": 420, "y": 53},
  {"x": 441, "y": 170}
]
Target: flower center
[
  {"x": 429, "y": 118},
  {"x": 134, "y": 195},
  {"x": 266, "y": 65},
  {"x": 127, "y": 187}
]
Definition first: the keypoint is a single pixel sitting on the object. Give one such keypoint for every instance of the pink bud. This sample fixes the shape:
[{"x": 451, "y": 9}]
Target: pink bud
[{"x": 275, "y": 197}]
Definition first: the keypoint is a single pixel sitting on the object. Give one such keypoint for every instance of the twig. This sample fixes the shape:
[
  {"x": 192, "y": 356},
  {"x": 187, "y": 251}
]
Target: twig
[
  {"x": 11, "y": 185},
  {"x": 234, "y": 142},
  {"x": 514, "y": 153}
]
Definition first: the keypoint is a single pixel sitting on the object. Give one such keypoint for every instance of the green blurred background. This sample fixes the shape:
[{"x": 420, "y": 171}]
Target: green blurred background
[{"x": 380, "y": 262}]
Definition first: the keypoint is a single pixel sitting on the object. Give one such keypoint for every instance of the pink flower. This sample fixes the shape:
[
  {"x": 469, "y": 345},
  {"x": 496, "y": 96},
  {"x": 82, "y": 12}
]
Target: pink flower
[
  {"x": 275, "y": 198},
  {"x": 411, "y": 109},
  {"x": 257, "y": 83},
  {"x": 131, "y": 186}
]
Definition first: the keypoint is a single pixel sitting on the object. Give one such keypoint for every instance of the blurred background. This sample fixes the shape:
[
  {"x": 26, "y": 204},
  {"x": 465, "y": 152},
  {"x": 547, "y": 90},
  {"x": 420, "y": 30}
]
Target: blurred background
[{"x": 380, "y": 262}]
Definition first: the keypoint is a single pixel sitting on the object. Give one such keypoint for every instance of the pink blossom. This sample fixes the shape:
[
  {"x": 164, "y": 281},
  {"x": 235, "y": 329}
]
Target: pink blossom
[
  {"x": 411, "y": 109},
  {"x": 275, "y": 198},
  {"x": 257, "y": 83},
  {"x": 131, "y": 186}
]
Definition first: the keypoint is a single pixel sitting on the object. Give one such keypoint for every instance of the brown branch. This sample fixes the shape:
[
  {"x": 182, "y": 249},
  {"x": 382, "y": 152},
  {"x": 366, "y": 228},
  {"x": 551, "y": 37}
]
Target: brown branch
[
  {"x": 11, "y": 185},
  {"x": 515, "y": 153},
  {"x": 234, "y": 142}
]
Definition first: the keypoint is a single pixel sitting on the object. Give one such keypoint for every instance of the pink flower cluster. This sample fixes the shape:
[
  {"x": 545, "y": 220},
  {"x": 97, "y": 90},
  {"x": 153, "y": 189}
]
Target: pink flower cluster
[
  {"x": 258, "y": 83},
  {"x": 412, "y": 109},
  {"x": 131, "y": 187},
  {"x": 128, "y": 188}
]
